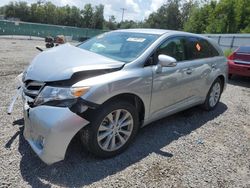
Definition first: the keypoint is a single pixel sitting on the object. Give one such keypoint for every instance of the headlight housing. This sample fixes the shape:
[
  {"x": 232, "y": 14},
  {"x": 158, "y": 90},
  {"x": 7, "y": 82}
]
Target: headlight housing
[{"x": 59, "y": 96}]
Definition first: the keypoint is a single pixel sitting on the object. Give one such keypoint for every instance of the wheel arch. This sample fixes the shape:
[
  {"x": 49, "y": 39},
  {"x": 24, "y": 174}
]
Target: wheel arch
[
  {"x": 223, "y": 81},
  {"x": 134, "y": 100}
]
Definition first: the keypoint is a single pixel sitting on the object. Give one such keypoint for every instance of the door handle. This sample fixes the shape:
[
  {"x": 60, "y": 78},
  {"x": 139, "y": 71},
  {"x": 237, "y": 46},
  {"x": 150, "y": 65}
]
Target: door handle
[{"x": 189, "y": 71}]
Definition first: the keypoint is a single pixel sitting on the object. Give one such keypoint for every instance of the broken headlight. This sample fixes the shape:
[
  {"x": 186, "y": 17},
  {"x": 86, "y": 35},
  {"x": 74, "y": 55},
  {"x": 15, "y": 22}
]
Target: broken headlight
[{"x": 59, "y": 96}]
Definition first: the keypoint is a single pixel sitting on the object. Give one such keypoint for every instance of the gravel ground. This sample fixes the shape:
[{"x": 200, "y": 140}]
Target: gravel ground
[{"x": 193, "y": 148}]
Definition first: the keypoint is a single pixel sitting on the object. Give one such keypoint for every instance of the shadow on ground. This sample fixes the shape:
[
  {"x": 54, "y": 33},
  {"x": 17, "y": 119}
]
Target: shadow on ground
[
  {"x": 80, "y": 168},
  {"x": 240, "y": 81}
]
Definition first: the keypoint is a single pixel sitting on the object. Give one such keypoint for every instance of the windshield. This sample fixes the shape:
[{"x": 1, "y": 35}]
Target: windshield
[{"x": 121, "y": 46}]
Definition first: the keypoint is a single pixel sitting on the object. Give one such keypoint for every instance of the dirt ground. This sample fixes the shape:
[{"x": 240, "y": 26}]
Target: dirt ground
[{"x": 193, "y": 148}]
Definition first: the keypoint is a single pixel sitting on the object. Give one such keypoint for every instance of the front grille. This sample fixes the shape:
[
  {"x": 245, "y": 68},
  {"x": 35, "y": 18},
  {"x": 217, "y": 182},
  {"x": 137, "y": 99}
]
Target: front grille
[{"x": 32, "y": 88}]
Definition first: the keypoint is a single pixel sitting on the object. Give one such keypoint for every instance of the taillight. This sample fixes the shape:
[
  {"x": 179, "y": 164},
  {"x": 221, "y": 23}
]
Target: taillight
[{"x": 231, "y": 57}]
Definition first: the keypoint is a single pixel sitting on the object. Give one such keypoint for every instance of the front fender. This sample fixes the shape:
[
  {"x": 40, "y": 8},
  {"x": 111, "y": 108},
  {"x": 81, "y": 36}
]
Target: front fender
[{"x": 137, "y": 81}]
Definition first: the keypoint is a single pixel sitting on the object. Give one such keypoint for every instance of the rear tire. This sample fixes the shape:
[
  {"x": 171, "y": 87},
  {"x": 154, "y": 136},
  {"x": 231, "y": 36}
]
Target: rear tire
[
  {"x": 112, "y": 128},
  {"x": 213, "y": 96}
]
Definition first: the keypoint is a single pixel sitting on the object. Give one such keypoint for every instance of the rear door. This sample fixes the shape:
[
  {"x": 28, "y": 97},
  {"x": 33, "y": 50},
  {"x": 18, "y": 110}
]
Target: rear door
[{"x": 204, "y": 62}]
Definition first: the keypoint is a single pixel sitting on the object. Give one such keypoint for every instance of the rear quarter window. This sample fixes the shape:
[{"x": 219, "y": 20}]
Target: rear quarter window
[{"x": 198, "y": 48}]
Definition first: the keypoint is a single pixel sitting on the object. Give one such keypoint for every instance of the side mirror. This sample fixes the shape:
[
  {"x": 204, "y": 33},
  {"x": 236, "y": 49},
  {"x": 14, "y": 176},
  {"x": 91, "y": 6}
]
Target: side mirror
[{"x": 166, "y": 61}]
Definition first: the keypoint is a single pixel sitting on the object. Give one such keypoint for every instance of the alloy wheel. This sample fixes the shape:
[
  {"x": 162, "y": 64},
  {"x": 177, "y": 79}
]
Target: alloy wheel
[
  {"x": 215, "y": 94},
  {"x": 115, "y": 130}
]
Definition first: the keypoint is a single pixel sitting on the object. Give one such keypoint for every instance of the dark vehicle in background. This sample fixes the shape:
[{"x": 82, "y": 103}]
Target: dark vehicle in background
[
  {"x": 239, "y": 62},
  {"x": 51, "y": 41}
]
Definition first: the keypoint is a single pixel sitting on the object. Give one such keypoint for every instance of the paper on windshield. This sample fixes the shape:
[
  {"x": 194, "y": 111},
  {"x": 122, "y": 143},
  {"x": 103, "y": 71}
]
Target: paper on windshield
[{"x": 130, "y": 39}]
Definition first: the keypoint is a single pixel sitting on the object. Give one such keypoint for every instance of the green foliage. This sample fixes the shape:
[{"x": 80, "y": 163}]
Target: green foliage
[
  {"x": 197, "y": 22},
  {"x": 49, "y": 13},
  {"x": 168, "y": 16},
  {"x": 98, "y": 18},
  {"x": 227, "y": 52},
  {"x": 2, "y": 10},
  {"x": 87, "y": 14},
  {"x": 186, "y": 11},
  {"x": 22, "y": 11},
  {"x": 197, "y": 16},
  {"x": 130, "y": 24},
  {"x": 246, "y": 30},
  {"x": 111, "y": 23},
  {"x": 223, "y": 16}
]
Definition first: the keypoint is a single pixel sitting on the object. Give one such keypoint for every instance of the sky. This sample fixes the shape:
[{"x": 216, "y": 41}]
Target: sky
[{"x": 135, "y": 9}]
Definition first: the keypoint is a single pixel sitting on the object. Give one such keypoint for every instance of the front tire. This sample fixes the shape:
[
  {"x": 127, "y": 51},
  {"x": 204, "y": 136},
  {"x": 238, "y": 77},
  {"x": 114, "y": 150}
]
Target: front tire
[
  {"x": 213, "y": 96},
  {"x": 112, "y": 128}
]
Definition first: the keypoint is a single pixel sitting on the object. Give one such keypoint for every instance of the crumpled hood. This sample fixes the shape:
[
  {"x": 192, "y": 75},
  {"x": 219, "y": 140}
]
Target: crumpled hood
[{"x": 61, "y": 62}]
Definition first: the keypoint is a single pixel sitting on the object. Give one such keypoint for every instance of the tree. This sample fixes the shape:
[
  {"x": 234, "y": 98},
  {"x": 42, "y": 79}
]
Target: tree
[
  {"x": 98, "y": 18},
  {"x": 40, "y": 12},
  {"x": 197, "y": 16},
  {"x": 50, "y": 13},
  {"x": 128, "y": 24},
  {"x": 10, "y": 10},
  {"x": 198, "y": 19},
  {"x": 2, "y": 10},
  {"x": 242, "y": 10},
  {"x": 87, "y": 16},
  {"x": 225, "y": 17},
  {"x": 111, "y": 23},
  {"x": 186, "y": 10},
  {"x": 167, "y": 16}
]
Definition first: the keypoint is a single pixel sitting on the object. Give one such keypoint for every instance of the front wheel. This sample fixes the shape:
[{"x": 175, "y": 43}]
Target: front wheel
[
  {"x": 111, "y": 130},
  {"x": 213, "y": 96}
]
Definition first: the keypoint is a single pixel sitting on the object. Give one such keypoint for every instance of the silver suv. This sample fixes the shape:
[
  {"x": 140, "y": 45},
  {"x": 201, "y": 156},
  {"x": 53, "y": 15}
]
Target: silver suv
[{"x": 108, "y": 87}]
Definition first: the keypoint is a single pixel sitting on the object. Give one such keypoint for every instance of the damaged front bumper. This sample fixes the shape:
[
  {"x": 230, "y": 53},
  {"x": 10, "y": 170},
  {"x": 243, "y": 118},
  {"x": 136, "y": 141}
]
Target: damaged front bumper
[{"x": 48, "y": 129}]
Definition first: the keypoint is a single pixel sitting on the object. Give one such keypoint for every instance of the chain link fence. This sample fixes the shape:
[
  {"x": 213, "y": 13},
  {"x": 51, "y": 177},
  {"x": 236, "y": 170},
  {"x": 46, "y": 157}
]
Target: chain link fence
[
  {"x": 226, "y": 41},
  {"x": 43, "y": 30},
  {"x": 230, "y": 41}
]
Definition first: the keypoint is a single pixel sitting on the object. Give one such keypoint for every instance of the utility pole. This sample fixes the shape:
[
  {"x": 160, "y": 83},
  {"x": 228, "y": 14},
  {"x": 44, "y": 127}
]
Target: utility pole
[{"x": 123, "y": 9}]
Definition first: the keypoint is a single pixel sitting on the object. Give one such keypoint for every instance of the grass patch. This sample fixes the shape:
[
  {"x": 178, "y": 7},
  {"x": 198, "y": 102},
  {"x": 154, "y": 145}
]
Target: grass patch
[{"x": 228, "y": 52}]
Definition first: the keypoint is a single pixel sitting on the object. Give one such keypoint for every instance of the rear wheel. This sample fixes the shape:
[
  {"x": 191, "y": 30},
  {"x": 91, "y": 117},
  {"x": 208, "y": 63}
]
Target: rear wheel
[
  {"x": 213, "y": 96},
  {"x": 111, "y": 130}
]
